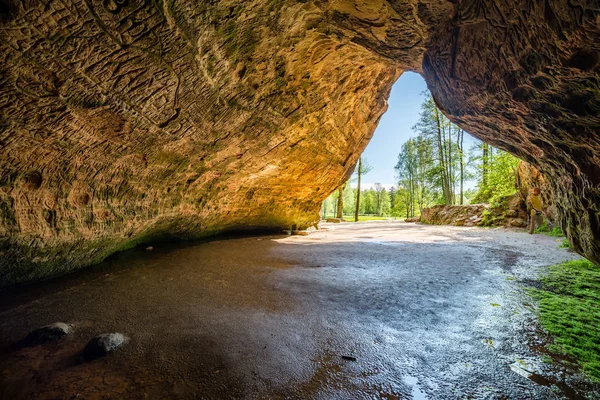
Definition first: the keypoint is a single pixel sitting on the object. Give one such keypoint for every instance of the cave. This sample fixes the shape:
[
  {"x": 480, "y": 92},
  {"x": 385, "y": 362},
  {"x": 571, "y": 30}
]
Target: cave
[
  {"x": 125, "y": 122},
  {"x": 135, "y": 122}
]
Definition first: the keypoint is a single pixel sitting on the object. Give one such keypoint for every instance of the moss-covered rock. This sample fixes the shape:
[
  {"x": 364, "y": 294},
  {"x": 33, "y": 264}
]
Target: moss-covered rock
[
  {"x": 508, "y": 211},
  {"x": 466, "y": 215}
]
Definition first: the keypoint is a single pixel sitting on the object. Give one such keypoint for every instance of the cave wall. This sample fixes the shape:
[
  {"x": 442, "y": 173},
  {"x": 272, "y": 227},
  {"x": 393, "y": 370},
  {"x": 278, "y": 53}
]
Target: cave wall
[
  {"x": 126, "y": 121},
  {"x": 524, "y": 76}
]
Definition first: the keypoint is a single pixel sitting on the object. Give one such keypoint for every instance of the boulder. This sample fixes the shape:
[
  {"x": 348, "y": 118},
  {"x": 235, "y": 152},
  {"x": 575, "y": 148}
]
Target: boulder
[
  {"x": 102, "y": 345},
  {"x": 465, "y": 215},
  {"x": 508, "y": 211},
  {"x": 48, "y": 333}
]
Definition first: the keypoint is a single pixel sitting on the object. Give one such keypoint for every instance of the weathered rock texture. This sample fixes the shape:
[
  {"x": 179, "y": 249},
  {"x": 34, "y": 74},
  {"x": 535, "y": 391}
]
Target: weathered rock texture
[
  {"x": 524, "y": 76},
  {"x": 469, "y": 215},
  {"x": 124, "y": 121},
  {"x": 509, "y": 212}
]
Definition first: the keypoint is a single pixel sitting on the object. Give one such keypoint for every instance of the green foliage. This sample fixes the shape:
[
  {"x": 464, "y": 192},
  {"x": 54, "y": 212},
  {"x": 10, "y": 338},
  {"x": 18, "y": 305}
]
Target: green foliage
[
  {"x": 368, "y": 205},
  {"x": 398, "y": 205},
  {"x": 496, "y": 173},
  {"x": 349, "y": 200},
  {"x": 569, "y": 309},
  {"x": 469, "y": 195},
  {"x": 432, "y": 169},
  {"x": 372, "y": 203},
  {"x": 385, "y": 207},
  {"x": 556, "y": 231},
  {"x": 364, "y": 166},
  {"x": 565, "y": 244},
  {"x": 414, "y": 171},
  {"x": 496, "y": 214},
  {"x": 487, "y": 219},
  {"x": 433, "y": 166}
]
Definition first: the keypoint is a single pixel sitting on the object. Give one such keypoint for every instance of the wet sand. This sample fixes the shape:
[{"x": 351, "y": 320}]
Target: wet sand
[{"x": 356, "y": 311}]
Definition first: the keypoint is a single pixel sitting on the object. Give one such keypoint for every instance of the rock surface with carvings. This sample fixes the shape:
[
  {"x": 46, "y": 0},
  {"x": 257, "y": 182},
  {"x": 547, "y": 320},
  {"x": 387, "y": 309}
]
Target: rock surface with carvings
[{"x": 129, "y": 122}]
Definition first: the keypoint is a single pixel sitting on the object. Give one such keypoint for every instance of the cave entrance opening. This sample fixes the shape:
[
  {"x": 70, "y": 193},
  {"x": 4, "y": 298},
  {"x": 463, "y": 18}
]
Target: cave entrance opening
[{"x": 417, "y": 159}]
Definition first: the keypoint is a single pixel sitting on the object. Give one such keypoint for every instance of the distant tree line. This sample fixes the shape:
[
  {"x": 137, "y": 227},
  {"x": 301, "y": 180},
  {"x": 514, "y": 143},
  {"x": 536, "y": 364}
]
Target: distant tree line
[
  {"x": 375, "y": 201},
  {"x": 432, "y": 168}
]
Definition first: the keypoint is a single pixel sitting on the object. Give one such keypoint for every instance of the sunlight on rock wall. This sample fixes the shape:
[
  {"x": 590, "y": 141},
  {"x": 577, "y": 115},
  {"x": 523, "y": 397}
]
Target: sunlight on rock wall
[{"x": 127, "y": 122}]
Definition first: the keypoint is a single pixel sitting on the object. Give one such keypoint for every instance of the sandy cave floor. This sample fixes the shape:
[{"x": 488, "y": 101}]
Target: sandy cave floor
[{"x": 422, "y": 312}]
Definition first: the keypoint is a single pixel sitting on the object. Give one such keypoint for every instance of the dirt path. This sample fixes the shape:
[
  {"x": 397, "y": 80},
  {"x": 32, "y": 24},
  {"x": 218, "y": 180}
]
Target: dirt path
[{"x": 418, "y": 311}]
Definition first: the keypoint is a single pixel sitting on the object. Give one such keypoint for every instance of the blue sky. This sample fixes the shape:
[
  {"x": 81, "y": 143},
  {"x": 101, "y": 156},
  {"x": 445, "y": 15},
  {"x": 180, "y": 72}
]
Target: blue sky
[{"x": 394, "y": 129}]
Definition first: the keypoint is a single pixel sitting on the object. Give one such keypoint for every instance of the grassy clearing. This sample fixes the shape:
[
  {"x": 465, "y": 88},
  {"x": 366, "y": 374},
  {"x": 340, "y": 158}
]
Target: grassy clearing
[
  {"x": 370, "y": 218},
  {"x": 569, "y": 309},
  {"x": 350, "y": 218}
]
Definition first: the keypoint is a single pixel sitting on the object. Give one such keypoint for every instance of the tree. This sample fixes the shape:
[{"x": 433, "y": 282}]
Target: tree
[
  {"x": 385, "y": 204},
  {"x": 379, "y": 197},
  {"x": 438, "y": 131},
  {"x": 362, "y": 169},
  {"x": 495, "y": 172},
  {"x": 415, "y": 171},
  {"x": 349, "y": 200},
  {"x": 433, "y": 166},
  {"x": 368, "y": 203},
  {"x": 441, "y": 160},
  {"x": 485, "y": 164},
  {"x": 340, "y": 202},
  {"x": 461, "y": 154},
  {"x": 392, "y": 194},
  {"x": 406, "y": 170},
  {"x": 441, "y": 138}
]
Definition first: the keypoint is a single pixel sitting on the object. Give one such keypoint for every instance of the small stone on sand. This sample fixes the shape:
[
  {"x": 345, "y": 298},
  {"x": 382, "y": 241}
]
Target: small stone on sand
[
  {"x": 103, "y": 344},
  {"x": 48, "y": 333}
]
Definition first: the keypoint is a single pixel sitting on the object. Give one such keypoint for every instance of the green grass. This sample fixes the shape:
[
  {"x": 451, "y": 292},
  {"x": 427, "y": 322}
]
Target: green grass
[
  {"x": 350, "y": 218},
  {"x": 565, "y": 244},
  {"x": 555, "y": 231},
  {"x": 370, "y": 218},
  {"x": 569, "y": 309}
]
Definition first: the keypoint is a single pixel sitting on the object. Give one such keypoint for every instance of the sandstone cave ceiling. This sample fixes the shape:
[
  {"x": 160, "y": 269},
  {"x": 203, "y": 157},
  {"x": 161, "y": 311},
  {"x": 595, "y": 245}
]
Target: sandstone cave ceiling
[{"x": 128, "y": 121}]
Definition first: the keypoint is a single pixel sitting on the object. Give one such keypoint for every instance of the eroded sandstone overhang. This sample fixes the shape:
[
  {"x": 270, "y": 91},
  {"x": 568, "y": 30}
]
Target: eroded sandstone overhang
[{"x": 128, "y": 121}]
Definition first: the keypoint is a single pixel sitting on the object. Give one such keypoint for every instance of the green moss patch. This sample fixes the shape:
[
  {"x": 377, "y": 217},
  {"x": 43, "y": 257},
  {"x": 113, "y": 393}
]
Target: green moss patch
[{"x": 569, "y": 310}]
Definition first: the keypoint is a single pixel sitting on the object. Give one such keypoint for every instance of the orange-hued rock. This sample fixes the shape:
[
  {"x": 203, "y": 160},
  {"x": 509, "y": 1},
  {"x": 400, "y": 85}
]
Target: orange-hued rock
[{"x": 128, "y": 122}]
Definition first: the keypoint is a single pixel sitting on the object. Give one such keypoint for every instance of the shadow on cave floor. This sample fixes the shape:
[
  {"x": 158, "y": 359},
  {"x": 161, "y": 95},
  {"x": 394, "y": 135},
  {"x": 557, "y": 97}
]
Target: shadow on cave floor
[{"x": 368, "y": 310}]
